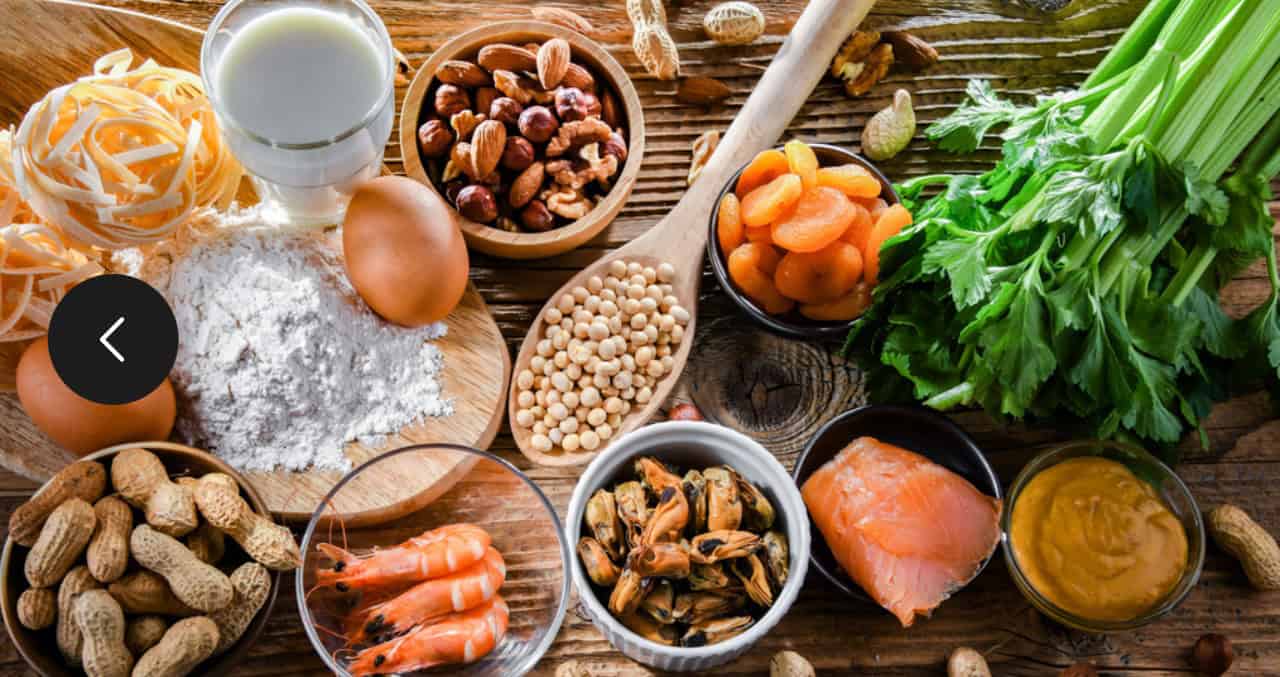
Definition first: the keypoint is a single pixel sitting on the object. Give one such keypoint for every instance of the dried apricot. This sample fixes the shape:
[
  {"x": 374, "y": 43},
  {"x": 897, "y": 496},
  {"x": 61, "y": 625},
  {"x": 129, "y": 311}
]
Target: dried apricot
[
  {"x": 766, "y": 204},
  {"x": 820, "y": 218},
  {"x": 874, "y": 205},
  {"x": 751, "y": 266},
  {"x": 847, "y": 307},
  {"x": 760, "y": 234},
  {"x": 852, "y": 180},
  {"x": 859, "y": 231},
  {"x": 729, "y": 229},
  {"x": 765, "y": 167},
  {"x": 819, "y": 277},
  {"x": 891, "y": 222},
  {"x": 802, "y": 162}
]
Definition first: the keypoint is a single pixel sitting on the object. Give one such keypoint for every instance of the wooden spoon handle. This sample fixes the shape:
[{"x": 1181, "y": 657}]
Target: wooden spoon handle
[{"x": 782, "y": 90}]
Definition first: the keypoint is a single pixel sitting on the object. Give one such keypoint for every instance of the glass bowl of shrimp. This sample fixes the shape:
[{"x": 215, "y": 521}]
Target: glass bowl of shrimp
[{"x": 470, "y": 579}]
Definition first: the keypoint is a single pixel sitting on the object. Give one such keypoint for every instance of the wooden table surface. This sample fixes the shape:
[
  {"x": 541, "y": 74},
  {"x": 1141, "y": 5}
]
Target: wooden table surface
[{"x": 785, "y": 397}]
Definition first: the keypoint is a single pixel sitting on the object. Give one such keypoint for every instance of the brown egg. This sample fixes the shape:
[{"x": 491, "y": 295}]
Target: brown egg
[
  {"x": 404, "y": 252},
  {"x": 83, "y": 426}
]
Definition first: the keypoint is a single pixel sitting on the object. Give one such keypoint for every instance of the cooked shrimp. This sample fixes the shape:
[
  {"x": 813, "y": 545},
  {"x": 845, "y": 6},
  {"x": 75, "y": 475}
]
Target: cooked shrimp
[
  {"x": 457, "y": 638},
  {"x": 464, "y": 590},
  {"x": 436, "y": 553}
]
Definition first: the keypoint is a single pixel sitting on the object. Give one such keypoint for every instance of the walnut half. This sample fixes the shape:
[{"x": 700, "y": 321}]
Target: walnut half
[{"x": 567, "y": 202}]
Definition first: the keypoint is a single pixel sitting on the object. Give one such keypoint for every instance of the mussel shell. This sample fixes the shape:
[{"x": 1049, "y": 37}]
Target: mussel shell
[
  {"x": 708, "y": 577},
  {"x": 595, "y": 559},
  {"x": 695, "y": 489},
  {"x": 715, "y": 631},
  {"x": 751, "y": 571},
  {"x": 629, "y": 592},
  {"x": 633, "y": 510},
  {"x": 601, "y": 516},
  {"x": 724, "y": 506},
  {"x": 660, "y": 602},
  {"x": 777, "y": 557}
]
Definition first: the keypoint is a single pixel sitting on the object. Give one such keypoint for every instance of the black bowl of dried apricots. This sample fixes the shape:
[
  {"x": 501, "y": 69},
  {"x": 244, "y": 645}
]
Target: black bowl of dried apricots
[{"x": 796, "y": 234}]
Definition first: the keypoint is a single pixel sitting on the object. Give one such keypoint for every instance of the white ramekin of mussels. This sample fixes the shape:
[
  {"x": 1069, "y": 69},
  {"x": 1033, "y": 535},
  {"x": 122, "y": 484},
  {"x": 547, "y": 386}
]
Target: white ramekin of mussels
[{"x": 685, "y": 445}]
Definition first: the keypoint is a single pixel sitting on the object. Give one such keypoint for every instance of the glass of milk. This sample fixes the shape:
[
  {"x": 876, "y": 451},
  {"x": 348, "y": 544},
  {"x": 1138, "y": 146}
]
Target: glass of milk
[{"x": 304, "y": 95}]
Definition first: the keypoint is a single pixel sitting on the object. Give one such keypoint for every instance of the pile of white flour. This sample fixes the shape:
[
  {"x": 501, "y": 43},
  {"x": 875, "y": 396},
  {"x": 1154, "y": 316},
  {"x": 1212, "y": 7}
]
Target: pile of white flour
[{"x": 279, "y": 362}]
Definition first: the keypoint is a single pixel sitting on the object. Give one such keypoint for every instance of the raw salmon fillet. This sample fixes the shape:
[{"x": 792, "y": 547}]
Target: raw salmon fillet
[{"x": 908, "y": 530}]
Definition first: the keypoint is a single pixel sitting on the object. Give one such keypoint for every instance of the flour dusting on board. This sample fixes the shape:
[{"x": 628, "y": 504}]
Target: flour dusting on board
[{"x": 279, "y": 362}]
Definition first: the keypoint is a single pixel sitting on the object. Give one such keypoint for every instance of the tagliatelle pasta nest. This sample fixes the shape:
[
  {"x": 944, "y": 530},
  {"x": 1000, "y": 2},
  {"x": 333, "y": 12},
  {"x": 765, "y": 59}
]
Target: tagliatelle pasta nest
[
  {"x": 124, "y": 156},
  {"x": 37, "y": 264}
]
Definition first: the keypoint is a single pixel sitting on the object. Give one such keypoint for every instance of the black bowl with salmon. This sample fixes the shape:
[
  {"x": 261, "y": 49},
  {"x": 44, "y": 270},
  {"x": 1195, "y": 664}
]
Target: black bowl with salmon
[{"x": 905, "y": 509}]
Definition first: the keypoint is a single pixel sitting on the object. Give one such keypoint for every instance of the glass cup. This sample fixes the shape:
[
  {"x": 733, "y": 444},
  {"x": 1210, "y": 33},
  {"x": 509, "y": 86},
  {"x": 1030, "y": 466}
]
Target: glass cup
[{"x": 310, "y": 181}]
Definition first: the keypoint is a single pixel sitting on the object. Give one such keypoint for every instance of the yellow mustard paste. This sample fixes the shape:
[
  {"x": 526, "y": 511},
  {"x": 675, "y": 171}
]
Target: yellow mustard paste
[{"x": 1097, "y": 541}]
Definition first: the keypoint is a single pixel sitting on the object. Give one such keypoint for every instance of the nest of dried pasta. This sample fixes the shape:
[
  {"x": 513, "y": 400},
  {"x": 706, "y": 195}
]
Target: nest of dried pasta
[
  {"x": 37, "y": 264},
  {"x": 124, "y": 156}
]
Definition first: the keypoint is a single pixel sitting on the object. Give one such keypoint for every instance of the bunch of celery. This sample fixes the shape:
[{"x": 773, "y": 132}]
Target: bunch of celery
[{"x": 1077, "y": 281}]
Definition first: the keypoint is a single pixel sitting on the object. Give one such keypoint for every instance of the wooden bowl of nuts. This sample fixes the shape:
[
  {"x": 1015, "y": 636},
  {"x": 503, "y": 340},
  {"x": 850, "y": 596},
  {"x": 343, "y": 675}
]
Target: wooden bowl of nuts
[
  {"x": 153, "y": 610},
  {"x": 530, "y": 130}
]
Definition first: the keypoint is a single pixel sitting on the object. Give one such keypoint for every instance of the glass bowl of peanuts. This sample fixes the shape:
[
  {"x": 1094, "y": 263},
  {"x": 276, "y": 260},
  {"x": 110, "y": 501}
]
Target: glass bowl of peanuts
[{"x": 471, "y": 579}]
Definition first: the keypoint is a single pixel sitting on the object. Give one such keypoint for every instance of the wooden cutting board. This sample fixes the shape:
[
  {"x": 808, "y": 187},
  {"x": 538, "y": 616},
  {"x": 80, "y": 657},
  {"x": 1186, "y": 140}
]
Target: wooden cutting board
[{"x": 46, "y": 44}]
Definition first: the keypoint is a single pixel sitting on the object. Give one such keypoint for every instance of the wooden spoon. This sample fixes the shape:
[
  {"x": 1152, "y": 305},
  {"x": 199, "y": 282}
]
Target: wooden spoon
[{"x": 681, "y": 237}]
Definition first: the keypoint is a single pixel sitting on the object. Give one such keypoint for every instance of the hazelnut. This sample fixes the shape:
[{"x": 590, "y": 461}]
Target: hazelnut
[
  {"x": 478, "y": 204},
  {"x": 506, "y": 110},
  {"x": 485, "y": 96},
  {"x": 536, "y": 217},
  {"x": 517, "y": 154},
  {"x": 593, "y": 104},
  {"x": 615, "y": 146},
  {"x": 684, "y": 412},
  {"x": 451, "y": 99},
  {"x": 1212, "y": 654},
  {"x": 434, "y": 138},
  {"x": 451, "y": 191},
  {"x": 571, "y": 104},
  {"x": 537, "y": 124}
]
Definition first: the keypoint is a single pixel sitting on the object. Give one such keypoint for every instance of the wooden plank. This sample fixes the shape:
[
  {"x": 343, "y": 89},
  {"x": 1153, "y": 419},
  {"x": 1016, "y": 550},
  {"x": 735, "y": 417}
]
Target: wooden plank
[{"x": 1020, "y": 51}]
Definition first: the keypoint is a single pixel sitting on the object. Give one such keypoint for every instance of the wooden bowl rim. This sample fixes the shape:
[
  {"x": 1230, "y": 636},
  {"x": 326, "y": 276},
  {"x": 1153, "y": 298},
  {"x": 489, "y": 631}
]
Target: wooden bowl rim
[
  {"x": 495, "y": 241},
  {"x": 217, "y": 665}
]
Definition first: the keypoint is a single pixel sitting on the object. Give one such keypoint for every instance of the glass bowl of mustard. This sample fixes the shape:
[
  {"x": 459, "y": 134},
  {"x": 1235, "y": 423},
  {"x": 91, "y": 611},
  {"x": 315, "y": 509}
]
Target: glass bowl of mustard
[{"x": 1102, "y": 536}]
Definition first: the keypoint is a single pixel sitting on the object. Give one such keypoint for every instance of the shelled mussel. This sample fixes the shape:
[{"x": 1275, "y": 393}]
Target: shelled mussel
[{"x": 686, "y": 559}]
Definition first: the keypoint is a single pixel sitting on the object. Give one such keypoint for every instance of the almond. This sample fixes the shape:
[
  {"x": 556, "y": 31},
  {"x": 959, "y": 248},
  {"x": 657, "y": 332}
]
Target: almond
[
  {"x": 526, "y": 185},
  {"x": 463, "y": 74},
  {"x": 502, "y": 57},
  {"x": 563, "y": 17},
  {"x": 911, "y": 51},
  {"x": 487, "y": 144},
  {"x": 577, "y": 76},
  {"x": 610, "y": 110},
  {"x": 553, "y": 62},
  {"x": 702, "y": 91}
]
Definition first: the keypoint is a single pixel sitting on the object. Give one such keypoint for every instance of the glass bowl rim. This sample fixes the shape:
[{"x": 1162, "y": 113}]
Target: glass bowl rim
[
  {"x": 1193, "y": 522},
  {"x": 566, "y": 585}
]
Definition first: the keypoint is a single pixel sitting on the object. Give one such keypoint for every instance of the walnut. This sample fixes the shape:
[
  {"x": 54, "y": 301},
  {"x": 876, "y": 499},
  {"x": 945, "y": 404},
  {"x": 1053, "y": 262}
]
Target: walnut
[
  {"x": 567, "y": 202},
  {"x": 589, "y": 167},
  {"x": 876, "y": 67},
  {"x": 849, "y": 60},
  {"x": 464, "y": 122},
  {"x": 578, "y": 134},
  {"x": 510, "y": 85}
]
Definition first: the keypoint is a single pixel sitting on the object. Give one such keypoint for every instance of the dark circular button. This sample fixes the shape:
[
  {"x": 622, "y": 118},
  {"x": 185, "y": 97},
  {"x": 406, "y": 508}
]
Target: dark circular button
[{"x": 113, "y": 339}]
